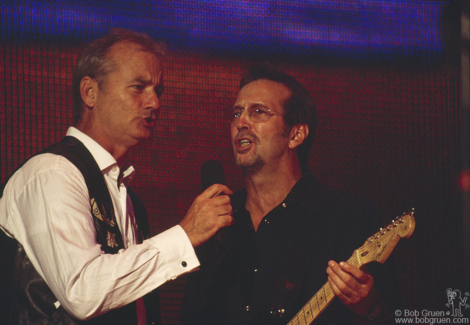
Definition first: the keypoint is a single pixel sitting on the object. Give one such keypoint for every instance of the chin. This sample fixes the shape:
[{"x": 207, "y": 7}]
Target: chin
[
  {"x": 250, "y": 165},
  {"x": 145, "y": 133}
]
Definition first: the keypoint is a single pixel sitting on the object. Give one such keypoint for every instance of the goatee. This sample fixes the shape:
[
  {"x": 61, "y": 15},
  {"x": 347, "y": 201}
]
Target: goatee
[{"x": 250, "y": 167}]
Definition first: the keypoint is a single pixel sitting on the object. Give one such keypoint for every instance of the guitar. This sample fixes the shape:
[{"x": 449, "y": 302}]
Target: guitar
[{"x": 376, "y": 248}]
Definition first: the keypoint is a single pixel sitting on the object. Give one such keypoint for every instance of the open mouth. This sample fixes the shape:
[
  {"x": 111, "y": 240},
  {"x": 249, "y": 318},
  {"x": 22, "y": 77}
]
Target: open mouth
[
  {"x": 149, "y": 122},
  {"x": 244, "y": 142}
]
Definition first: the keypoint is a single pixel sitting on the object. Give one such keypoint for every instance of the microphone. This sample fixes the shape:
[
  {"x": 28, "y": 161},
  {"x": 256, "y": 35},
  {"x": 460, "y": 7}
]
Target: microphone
[{"x": 212, "y": 172}]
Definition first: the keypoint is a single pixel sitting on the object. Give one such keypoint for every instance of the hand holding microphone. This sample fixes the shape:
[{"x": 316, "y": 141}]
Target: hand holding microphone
[{"x": 211, "y": 210}]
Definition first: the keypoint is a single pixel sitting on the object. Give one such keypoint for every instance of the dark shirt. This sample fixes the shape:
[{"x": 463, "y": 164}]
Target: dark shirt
[{"x": 247, "y": 277}]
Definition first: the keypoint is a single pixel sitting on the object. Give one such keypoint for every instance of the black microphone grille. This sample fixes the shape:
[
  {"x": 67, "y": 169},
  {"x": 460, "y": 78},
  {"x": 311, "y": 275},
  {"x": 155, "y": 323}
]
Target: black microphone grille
[{"x": 212, "y": 172}]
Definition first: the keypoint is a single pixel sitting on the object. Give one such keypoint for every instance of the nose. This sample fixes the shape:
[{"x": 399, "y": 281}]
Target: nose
[{"x": 153, "y": 101}]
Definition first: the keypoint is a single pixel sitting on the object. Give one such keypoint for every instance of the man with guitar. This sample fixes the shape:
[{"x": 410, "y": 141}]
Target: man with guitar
[{"x": 289, "y": 229}]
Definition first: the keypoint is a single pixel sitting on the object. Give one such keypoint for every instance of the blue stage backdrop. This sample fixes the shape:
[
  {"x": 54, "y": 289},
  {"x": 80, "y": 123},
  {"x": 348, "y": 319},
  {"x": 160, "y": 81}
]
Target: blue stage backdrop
[{"x": 345, "y": 29}]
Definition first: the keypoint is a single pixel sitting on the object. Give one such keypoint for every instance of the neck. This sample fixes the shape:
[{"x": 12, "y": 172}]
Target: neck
[
  {"x": 118, "y": 152},
  {"x": 267, "y": 188}
]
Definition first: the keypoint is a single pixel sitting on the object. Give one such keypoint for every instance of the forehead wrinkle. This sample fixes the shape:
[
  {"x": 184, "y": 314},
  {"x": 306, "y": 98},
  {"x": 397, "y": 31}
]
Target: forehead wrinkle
[
  {"x": 147, "y": 79},
  {"x": 142, "y": 80}
]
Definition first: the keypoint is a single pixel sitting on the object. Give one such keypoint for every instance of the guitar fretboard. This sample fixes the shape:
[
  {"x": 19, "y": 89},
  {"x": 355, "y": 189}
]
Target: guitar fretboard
[{"x": 315, "y": 306}]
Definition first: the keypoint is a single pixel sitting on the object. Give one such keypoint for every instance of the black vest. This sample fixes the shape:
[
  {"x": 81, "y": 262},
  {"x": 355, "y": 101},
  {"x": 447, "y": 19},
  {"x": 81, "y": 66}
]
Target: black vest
[{"x": 32, "y": 301}]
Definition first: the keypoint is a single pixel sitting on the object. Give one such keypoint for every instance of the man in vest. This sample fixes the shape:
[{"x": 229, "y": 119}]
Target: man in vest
[{"x": 83, "y": 253}]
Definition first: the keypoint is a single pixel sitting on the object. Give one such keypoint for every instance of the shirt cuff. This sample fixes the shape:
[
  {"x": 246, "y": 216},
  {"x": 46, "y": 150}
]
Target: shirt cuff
[{"x": 177, "y": 251}]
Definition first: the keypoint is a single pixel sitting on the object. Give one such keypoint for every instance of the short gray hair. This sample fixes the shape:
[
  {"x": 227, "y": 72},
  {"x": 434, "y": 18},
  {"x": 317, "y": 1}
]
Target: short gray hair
[{"x": 94, "y": 61}]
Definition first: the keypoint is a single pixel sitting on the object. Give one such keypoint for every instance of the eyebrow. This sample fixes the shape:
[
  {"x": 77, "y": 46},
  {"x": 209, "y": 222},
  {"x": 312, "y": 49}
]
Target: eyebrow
[
  {"x": 160, "y": 86},
  {"x": 142, "y": 81},
  {"x": 251, "y": 105}
]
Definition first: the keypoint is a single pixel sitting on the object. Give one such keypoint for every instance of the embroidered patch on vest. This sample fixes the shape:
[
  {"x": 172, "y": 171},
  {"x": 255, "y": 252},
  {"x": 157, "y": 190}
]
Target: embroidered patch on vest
[
  {"x": 111, "y": 240},
  {"x": 97, "y": 213}
]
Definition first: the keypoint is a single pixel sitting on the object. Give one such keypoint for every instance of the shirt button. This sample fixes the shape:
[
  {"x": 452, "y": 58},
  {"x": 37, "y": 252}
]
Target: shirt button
[
  {"x": 247, "y": 308},
  {"x": 184, "y": 264},
  {"x": 284, "y": 205},
  {"x": 266, "y": 221},
  {"x": 255, "y": 270}
]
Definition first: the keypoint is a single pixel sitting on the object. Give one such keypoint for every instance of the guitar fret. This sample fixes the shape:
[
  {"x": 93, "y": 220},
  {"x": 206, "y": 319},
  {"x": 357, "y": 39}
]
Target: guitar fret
[
  {"x": 305, "y": 317},
  {"x": 294, "y": 321},
  {"x": 311, "y": 311},
  {"x": 353, "y": 260},
  {"x": 322, "y": 298}
]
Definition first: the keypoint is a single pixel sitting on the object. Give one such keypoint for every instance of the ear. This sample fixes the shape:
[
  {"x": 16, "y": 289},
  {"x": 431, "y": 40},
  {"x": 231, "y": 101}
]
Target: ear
[
  {"x": 297, "y": 135},
  {"x": 88, "y": 91}
]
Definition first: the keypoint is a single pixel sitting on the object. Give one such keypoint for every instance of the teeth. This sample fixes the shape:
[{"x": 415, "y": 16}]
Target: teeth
[{"x": 244, "y": 143}]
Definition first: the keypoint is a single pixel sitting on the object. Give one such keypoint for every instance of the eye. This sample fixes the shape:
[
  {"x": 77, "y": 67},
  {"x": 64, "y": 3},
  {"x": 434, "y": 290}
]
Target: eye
[
  {"x": 235, "y": 113},
  {"x": 138, "y": 87},
  {"x": 260, "y": 111},
  {"x": 159, "y": 91}
]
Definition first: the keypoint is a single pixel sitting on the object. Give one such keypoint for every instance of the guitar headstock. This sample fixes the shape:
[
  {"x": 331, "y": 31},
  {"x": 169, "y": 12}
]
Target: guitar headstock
[{"x": 379, "y": 246}]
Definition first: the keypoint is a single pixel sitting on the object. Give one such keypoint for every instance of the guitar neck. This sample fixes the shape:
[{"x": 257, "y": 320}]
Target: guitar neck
[
  {"x": 376, "y": 248},
  {"x": 315, "y": 306}
]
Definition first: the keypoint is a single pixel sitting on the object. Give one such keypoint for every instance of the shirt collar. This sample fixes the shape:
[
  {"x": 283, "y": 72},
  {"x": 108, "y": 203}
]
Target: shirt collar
[
  {"x": 307, "y": 192},
  {"x": 102, "y": 157},
  {"x": 311, "y": 194}
]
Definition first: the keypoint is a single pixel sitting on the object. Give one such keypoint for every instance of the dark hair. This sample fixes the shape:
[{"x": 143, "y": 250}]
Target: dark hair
[
  {"x": 299, "y": 107},
  {"x": 95, "y": 62}
]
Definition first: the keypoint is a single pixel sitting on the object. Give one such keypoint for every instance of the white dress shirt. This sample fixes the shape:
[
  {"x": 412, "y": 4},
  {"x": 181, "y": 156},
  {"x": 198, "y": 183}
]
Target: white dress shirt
[{"x": 46, "y": 207}]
